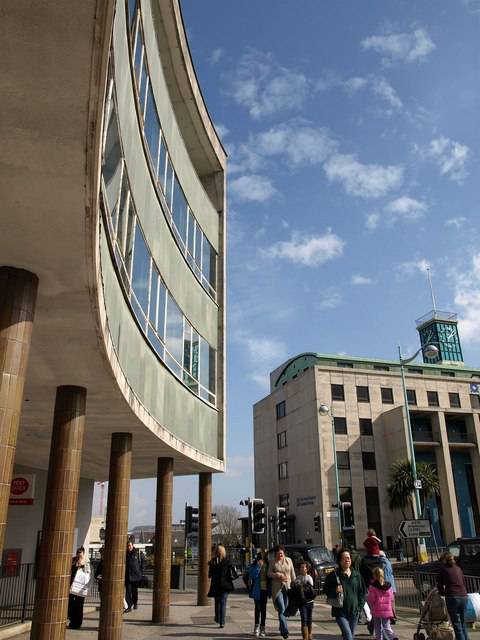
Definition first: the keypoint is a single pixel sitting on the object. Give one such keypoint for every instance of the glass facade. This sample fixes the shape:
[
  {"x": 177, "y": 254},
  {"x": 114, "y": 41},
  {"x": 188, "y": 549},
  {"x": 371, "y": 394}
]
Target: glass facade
[
  {"x": 185, "y": 352},
  {"x": 193, "y": 243}
]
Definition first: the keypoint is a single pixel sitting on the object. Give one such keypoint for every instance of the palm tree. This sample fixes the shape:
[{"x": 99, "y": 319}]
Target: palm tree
[{"x": 401, "y": 487}]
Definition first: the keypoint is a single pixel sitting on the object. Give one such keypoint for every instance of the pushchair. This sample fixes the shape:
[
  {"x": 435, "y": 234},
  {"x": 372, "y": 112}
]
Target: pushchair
[{"x": 433, "y": 623}]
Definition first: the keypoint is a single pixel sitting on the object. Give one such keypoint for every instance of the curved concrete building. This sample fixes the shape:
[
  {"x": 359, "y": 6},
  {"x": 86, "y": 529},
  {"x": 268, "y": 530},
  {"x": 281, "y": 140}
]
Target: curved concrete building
[{"x": 112, "y": 271}]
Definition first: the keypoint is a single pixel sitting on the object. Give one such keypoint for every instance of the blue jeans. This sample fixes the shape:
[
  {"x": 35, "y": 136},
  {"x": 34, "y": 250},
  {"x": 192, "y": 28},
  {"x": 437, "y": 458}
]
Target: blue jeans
[
  {"x": 456, "y": 610},
  {"x": 281, "y": 603},
  {"x": 347, "y": 625},
  {"x": 306, "y": 611},
  {"x": 221, "y": 608}
]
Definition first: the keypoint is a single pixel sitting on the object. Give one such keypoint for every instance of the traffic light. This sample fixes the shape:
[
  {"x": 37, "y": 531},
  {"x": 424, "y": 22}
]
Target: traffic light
[
  {"x": 281, "y": 520},
  {"x": 347, "y": 515},
  {"x": 317, "y": 522},
  {"x": 258, "y": 515},
  {"x": 191, "y": 519}
]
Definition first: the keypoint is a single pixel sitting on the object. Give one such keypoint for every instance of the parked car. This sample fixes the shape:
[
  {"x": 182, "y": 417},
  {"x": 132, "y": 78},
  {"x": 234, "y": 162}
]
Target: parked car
[
  {"x": 320, "y": 558},
  {"x": 466, "y": 552}
]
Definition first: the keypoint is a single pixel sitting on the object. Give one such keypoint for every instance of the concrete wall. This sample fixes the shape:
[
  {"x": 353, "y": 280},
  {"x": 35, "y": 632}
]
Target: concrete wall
[{"x": 24, "y": 522}]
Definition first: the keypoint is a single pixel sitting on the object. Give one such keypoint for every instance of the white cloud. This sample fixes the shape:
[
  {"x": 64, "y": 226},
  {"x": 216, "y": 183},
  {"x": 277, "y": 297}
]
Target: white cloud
[
  {"x": 413, "y": 266},
  {"x": 403, "y": 47},
  {"x": 308, "y": 251},
  {"x": 467, "y": 299},
  {"x": 450, "y": 156},
  {"x": 355, "y": 83},
  {"x": 265, "y": 87},
  {"x": 252, "y": 188},
  {"x": 406, "y": 208},
  {"x": 457, "y": 222},
  {"x": 264, "y": 355},
  {"x": 221, "y": 130},
  {"x": 358, "y": 279},
  {"x": 372, "y": 220},
  {"x": 368, "y": 181},
  {"x": 298, "y": 142},
  {"x": 379, "y": 86},
  {"x": 329, "y": 298},
  {"x": 216, "y": 55}
]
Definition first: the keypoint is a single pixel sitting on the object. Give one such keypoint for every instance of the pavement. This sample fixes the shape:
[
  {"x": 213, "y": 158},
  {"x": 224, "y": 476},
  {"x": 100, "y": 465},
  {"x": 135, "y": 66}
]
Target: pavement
[{"x": 190, "y": 622}]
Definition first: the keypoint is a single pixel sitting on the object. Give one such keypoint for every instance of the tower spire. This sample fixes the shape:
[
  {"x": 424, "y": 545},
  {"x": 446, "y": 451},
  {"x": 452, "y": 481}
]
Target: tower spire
[{"x": 429, "y": 276}]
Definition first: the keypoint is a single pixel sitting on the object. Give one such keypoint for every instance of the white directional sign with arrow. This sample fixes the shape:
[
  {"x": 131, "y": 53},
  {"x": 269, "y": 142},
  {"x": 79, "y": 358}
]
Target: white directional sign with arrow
[{"x": 415, "y": 529}]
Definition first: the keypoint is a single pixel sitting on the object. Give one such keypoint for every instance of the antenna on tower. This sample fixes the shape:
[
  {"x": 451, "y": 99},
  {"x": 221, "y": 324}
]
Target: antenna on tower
[{"x": 429, "y": 276}]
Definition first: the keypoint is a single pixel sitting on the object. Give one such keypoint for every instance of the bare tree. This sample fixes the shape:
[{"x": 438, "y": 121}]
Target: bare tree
[{"x": 228, "y": 529}]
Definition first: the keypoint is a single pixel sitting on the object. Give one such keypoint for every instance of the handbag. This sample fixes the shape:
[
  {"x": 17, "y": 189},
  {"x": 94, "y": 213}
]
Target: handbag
[{"x": 337, "y": 601}]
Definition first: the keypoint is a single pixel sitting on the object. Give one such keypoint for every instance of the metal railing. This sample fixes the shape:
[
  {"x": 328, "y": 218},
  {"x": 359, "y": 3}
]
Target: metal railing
[
  {"x": 413, "y": 587},
  {"x": 17, "y": 593}
]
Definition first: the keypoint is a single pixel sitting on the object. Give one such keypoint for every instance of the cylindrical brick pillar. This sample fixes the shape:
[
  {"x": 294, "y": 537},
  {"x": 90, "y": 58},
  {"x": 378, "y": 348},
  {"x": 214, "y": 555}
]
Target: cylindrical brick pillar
[
  {"x": 163, "y": 541},
  {"x": 116, "y": 533},
  {"x": 18, "y": 294},
  {"x": 204, "y": 535},
  {"x": 59, "y": 516}
]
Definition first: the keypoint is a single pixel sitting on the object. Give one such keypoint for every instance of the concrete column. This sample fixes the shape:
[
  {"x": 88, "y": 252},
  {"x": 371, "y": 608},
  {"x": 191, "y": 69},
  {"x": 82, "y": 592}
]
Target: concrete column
[
  {"x": 18, "y": 294},
  {"x": 163, "y": 541},
  {"x": 450, "y": 518},
  {"x": 116, "y": 532},
  {"x": 204, "y": 535},
  {"x": 60, "y": 512}
]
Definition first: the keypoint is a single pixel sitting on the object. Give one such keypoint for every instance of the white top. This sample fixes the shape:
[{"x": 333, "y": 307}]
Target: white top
[{"x": 304, "y": 579}]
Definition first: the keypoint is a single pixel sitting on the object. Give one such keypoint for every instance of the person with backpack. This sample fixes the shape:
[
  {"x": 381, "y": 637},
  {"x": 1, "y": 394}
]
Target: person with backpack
[
  {"x": 380, "y": 599},
  {"x": 258, "y": 590},
  {"x": 307, "y": 594}
]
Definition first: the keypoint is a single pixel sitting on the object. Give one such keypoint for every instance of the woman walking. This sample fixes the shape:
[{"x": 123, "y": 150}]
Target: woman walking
[
  {"x": 349, "y": 583},
  {"x": 79, "y": 581},
  {"x": 258, "y": 590},
  {"x": 282, "y": 574},
  {"x": 380, "y": 599},
  {"x": 451, "y": 584},
  {"x": 220, "y": 571}
]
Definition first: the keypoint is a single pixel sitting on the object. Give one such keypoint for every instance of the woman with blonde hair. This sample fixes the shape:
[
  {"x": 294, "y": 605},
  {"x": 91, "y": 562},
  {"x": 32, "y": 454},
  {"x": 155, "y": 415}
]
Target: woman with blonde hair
[
  {"x": 380, "y": 599},
  {"x": 221, "y": 574}
]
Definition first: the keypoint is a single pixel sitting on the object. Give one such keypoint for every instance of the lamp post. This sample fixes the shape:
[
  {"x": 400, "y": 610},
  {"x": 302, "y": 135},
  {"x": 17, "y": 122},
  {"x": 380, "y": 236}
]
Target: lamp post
[
  {"x": 430, "y": 351},
  {"x": 325, "y": 410}
]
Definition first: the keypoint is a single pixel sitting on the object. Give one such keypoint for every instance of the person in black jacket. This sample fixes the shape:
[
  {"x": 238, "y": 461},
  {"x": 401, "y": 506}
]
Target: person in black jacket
[
  {"x": 134, "y": 569},
  {"x": 221, "y": 573}
]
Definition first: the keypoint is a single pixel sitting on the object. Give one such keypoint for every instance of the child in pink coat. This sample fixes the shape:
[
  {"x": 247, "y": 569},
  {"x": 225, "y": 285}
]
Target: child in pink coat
[{"x": 380, "y": 599}]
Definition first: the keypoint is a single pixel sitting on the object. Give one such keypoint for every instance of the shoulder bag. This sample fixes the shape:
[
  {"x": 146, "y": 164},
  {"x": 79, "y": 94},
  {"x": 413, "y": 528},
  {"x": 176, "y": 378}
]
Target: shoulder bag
[{"x": 337, "y": 601}]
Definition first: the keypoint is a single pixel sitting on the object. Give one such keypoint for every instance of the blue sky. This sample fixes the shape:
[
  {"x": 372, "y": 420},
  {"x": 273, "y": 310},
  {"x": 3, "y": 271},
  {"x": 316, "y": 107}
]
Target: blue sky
[{"x": 352, "y": 130}]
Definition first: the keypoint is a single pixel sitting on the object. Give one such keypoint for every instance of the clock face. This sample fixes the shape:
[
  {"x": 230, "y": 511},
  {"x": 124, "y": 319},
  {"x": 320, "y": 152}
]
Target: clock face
[{"x": 429, "y": 337}]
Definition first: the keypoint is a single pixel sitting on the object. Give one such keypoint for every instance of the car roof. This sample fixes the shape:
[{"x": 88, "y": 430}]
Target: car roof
[{"x": 305, "y": 546}]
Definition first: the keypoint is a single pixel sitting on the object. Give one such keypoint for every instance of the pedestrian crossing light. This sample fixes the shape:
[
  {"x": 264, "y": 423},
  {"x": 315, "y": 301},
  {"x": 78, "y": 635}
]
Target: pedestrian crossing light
[
  {"x": 281, "y": 520},
  {"x": 258, "y": 515},
  {"x": 191, "y": 519},
  {"x": 317, "y": 522},
  {"x": 347, "y": 515}
]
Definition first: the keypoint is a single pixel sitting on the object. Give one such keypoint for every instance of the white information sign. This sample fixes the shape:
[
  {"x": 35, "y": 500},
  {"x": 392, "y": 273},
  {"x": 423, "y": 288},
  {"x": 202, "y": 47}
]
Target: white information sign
[{"x": 415, "y": 529}]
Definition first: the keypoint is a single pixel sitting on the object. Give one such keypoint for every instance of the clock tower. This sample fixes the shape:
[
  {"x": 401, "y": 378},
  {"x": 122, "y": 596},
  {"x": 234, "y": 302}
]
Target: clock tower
[{"x": 441, "y": 329}]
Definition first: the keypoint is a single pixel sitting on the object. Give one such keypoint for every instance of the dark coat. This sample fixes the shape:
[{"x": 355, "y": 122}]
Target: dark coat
[
  {"x": 220, "y": 573},
  {"x": 134, "y": 566},
  {"x": 354, "y": 592}
]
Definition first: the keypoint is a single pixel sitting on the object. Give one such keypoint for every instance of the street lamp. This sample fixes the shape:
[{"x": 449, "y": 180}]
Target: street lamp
[
  {"x": 325, "y": 410},
  {"x": 430, "y": 351}
]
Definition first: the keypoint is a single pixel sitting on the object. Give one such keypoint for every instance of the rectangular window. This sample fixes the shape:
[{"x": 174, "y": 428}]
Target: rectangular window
[
  {"x": 415, "y": 370},
  {"x": 474, "y": 401},
  {"x": 283, "y": 500},
  {"x": 162, "y": 157},
  {"x": 432, "y": 398},
  {"x": 343, "y": 460},
  {"x": 363, "y": 394},
  {"x": 338, "y": 392},
  {"x": 283, "y": 470},
  {"x": 387, "y": 395},
  {"x": 152, "y": 129},
  {"x": 411, "y": 396},
  {"x": 454, "y": 400},
  {"x": 174, "y": 332},
  {"x": 381, "y": 367},
  {"x": 368, "y": 461},
  {"x": 281, "y": 409},
  {"x": 345, "y": 365},
  {"x": 141, "y": 271},
  {"x": 373, "y": 510},
  {"x": 366, "y": 427},
  {"x": 447, "y": 374},
  {"x": 340, "y": 425},
  {"x": 152, "y": 312},
  {"x": 281, "y": 440},
  {"x": 169, "y": 184}
]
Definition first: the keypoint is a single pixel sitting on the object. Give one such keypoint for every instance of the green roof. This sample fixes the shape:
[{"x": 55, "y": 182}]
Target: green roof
[{"x": 303, "y": 361}]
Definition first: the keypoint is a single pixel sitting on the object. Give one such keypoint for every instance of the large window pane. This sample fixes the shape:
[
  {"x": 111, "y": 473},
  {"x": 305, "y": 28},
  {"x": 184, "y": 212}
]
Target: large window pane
[
  {"x": 129, "y": 238},
  {"x": 122, "y": 214},
  {"x": 152, "y": 128},
  {"x": 195, "y": 354},
  {"x": 212, "y": 370},
  {"x": 162, "y": 157},
  {"x": 152, "y": 314},
  {"x": 179, "y": 211},
  {"x": 141, "y": 269},
  {"x": 204, "y": 363},
  {"x": 187, "y": 347},
  {"x": 174, "y": 332},
  {"x": 131, "y": 11},
  {"x": 162, "y": 305},
  {"x": 169, "y": 184},
  {"x": 138, "y": 56},
  {"x": 142, "y": 88},
  {"x": 112, "y": 165}
]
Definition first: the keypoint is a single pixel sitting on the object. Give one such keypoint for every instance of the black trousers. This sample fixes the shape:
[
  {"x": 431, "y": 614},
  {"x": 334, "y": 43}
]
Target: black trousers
[
  {"x": 75, "y": 611},
  {"x": 131, "y": 593}
]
